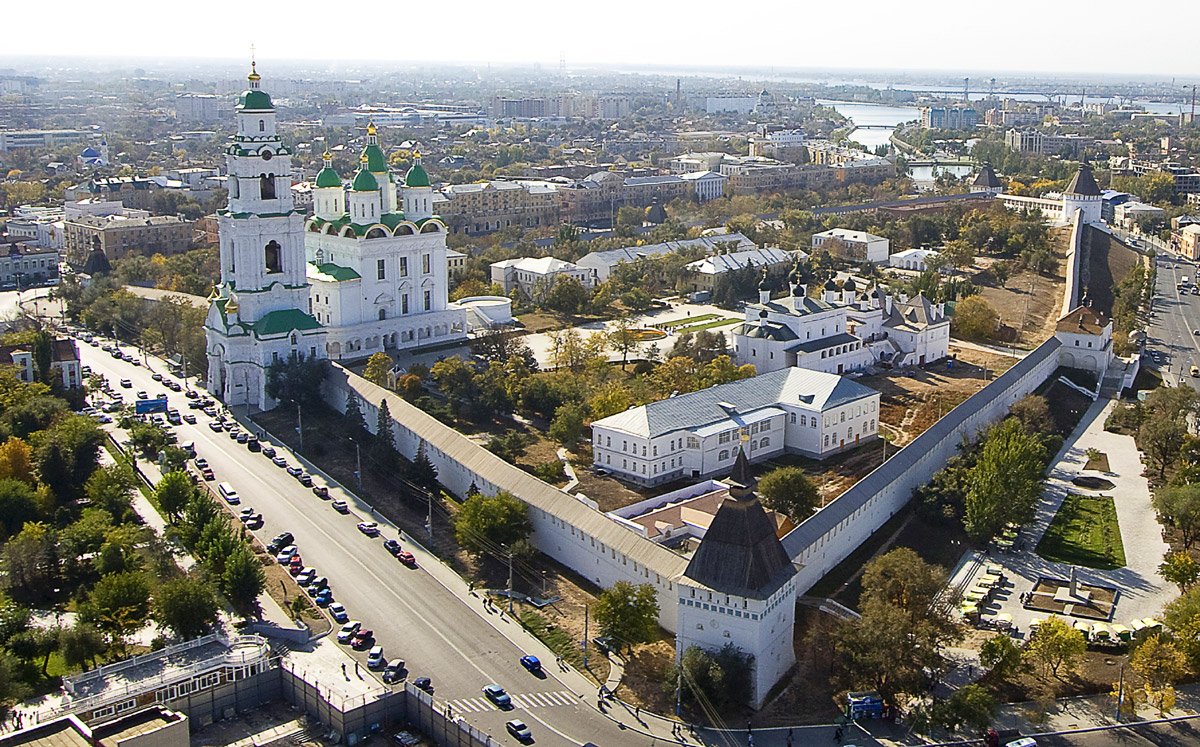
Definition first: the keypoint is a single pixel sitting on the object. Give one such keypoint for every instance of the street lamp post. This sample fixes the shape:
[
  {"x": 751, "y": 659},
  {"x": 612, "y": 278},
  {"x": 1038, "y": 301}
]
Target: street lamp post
[{"x": 300, "y": 426}]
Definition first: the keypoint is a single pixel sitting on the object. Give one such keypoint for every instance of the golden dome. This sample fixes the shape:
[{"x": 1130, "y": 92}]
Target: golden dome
[
  {"x": 371, "y": 127},
  {"x": 253, "y": 76}
]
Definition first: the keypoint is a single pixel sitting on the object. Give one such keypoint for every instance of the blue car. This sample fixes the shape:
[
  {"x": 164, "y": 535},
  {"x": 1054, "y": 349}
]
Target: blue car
[
  {"x": 323, "y": 598},
  {"x": 532, "y": 664}
]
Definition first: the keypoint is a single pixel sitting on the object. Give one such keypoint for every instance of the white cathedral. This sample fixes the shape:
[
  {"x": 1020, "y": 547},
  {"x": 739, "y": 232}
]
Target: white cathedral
[{"x": 358, "y": 277}]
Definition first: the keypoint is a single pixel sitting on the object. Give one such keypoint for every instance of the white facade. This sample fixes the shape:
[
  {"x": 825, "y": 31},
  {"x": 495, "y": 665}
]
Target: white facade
[
  {"x": 709, "y": 184},
  {"x": 603, "y": 263},
  {"x": 912, "y": 259},
  {"x": 859, "y": 244},
  {"x": 697, "y": 435},
  {"x": 259, "y": 312},
  {"x": 532, "y": 275}
]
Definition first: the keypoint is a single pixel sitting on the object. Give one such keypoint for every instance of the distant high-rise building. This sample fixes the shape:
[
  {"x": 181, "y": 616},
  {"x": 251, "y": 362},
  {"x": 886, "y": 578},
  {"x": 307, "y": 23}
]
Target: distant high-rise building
[{"x": 197, "y": 107}]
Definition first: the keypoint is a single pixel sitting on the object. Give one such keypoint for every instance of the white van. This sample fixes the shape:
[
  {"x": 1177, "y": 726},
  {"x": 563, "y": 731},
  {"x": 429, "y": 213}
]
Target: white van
[
  {"x": 228, "y": 493},
  {"x": 189, "y": 448}
]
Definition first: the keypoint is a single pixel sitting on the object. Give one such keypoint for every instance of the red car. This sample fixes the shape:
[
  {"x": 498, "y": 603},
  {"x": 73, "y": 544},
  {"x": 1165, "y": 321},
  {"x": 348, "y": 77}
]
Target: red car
[
  {"x": 406, "y": 558},
  {"x": 362, "y": 639},
  {"x": 296, "y": 566}
]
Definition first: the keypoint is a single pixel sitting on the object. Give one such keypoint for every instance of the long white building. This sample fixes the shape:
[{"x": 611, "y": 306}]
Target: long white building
[{"x": 697, "y": 435}]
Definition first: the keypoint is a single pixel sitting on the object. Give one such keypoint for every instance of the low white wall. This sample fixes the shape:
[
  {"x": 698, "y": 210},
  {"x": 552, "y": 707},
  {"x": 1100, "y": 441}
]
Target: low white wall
[{"x": 1074, "y": 265}]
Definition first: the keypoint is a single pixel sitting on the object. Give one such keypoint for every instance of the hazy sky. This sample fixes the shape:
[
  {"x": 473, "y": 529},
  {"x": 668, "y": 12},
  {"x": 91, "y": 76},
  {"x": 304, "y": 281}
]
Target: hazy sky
[{"x": 1101, "y": 36}]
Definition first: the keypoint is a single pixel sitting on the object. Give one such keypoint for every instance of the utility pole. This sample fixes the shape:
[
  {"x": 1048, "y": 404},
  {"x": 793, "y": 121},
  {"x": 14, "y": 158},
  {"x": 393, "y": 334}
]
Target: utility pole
[
  {"x": 585, "y": 634},
  {"x": 300, "y": 426},
  {"x": 429, "y": 516},
  {"x": 358, "y": 466},
  {"x": 678, "y": 694},
  {"x": 510, "y": 604}
]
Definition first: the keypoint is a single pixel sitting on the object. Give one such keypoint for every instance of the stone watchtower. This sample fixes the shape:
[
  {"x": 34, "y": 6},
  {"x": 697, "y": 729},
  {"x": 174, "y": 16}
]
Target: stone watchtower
[
  {"x": 1082, "y": 194},
  {"x": 739, "y": 587}
]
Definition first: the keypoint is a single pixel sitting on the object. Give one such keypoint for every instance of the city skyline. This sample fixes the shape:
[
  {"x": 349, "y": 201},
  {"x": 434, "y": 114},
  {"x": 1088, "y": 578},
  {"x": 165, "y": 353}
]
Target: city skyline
[{"x": 484, "y": 33}]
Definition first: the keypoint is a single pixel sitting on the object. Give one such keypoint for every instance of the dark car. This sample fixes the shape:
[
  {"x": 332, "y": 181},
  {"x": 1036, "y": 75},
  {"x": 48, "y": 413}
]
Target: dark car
[
  {"x": 362, "y": 639},
  {"x": 392, "y": 671},
  {"x": 305, "y": 479},
  {"x": 423, "y": 683},
  {"x": 268, "y": 451},
  {"x": 280, "y": 541},
  {"x": 391, "y": 546},
  {"x": 496, "y": 694},
  {"x": 252, "y": 443},
  {"x": 321, "y": 492}
]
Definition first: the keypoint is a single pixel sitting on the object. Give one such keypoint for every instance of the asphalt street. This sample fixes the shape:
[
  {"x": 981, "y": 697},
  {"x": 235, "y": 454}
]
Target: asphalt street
[
  {"x": 1172, "y": 341},
  {"x": 413, "y": 615}
]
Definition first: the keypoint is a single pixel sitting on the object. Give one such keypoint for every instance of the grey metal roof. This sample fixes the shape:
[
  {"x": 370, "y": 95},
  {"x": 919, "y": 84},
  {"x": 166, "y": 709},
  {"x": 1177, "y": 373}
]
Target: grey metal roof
[
  {"x": 987, "y": 178},
  {"x": 631, "y": 253},
  {"x": 697, "y": 409},
  {"x": 537, "y": 494},
  {"x": 809, "y": 306},
  {"x": 740, "y": 553},
  {"x": 809, "y": 346},
  {"x": 844, "y": 506},
  {"x": 767, "y": 331}
]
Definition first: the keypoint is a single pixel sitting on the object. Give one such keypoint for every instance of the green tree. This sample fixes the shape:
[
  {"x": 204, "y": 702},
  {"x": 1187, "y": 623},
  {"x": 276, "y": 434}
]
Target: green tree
[
  {"x": 567, "y": 296},
  {"x": 383, "y": 450},
  {"x": 18, "y": 505},
  {"x": 456, "y": 378},
  {"x": 788, "y": 491},
  {"x": 1162, "y": 439},
  {"x": 119, "y": 604},
  {"x": 243, "y": 580},
  {"x": 612, "y": 398},
  {"x": 378, "y": 367},
  {"x": 636, "y": 299},
  {"x": 624, "y": 337},
  {"x": 172, "y": 493},
  {"x": 1056, "y": 646},
  {"x": 567, "y": 426},
  {"x": 971, "y": 706},
  {"x": 1180, "y": 569},
  {"x": 1179, "y": 506},
  {"x": 80, "y": 644},
  {"x": 422, "y": 471},
  {"x": 486, "y": 522},
  {"x": 1005, "y": 483},
  {"x": 109, "y": 488},
  {"x": 16, "y": 461},
  {"x": 1034, "y": 413},
  {"x": 31, "y": 562},
  {"x": 1001, "y": 655},
  {"x": 628, "y": 613},
  {"x": 68, "y": 454},
  {"x": 186, "y": 605},
  {"x": 297, "y": 379},
  {"x": 722, "y": 679},
  {"x": 974, "y": 319},
  {"x": 354, "y": 417}
]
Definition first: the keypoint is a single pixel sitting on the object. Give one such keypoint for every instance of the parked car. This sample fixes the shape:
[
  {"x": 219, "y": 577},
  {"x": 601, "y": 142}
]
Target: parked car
[
  {"x": 362, "y": 639},
  {"x": 286, "y": 554},
  {"x": 214, "y": 426},
  {"x": 348, "y": 631},
  {"x": 340, "y": 507},
  {"x": 323, "y": 597},
  {"x": 423, "y": 683},
  {"x": 392, "y": 671},
  {"x": 255, "y": 522},
  {"x": 496, "y": 694},
  {"x": 280, "y": 541},
  {"x": 369, "y": 528},
  {"x": 375, "y": 658},
  {"x": 126, "y": 383},
  {"x": 305, "y": 479},
  {"x": 306, "y": 576},
  {"x": 337, "y": 611},
  {"x": 268, "y": 452},
  {"x": 321, "y": 491},
  {"x": 391, "y": 546},
  {"x": 279, "y": 461},
  {"x": 407, "y": 559},
  {"x": 189, "y": 418},
  {"x": 294, "y": 471}
]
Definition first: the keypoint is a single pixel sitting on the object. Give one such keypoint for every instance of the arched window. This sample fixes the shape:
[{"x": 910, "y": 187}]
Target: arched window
[
  {"x": 723, "y": 455},
  {"x": 266, "y": 186},
  {"x": 262, "y": 125},
  {"x": 764, "y": 443},
  {"x": 271, "y": 257},
  {"x": 382, "y": 314}
]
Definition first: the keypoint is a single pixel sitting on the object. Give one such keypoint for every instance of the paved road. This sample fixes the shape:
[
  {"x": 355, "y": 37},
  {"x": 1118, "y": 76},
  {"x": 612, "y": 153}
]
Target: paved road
[
  {"x": 1175, "y": 317},
  {"x": 1175, "y": 734},
  {"x": 413, "y": 615}
]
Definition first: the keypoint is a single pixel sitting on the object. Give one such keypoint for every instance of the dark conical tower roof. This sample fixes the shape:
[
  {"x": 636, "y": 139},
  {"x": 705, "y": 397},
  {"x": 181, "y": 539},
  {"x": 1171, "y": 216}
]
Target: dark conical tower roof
[
  {"x": 740, "y": 553},
  {"x": 1083, "y": 183},
  {"x": 97, "y": 262},
  {"x": 987, "y": 178}
]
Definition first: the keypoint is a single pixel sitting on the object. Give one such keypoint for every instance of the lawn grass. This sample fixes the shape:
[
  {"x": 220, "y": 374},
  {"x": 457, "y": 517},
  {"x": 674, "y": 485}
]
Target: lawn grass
[
  {"x": 707, "y": 325},
  {"x": 1085, "y": 532},
  {"x": 687, "y": 320},
  {"x": 555, "y": 638}
]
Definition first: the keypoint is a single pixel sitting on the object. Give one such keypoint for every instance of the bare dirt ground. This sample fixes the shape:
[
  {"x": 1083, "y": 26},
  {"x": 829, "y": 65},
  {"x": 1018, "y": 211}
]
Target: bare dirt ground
[{"x": 1031, "y": 302}]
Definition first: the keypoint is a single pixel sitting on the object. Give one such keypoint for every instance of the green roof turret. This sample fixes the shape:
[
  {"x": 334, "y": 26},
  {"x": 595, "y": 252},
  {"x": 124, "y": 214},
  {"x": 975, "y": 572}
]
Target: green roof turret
[
  {"x": 327, "y": 176},
  {"x": 365, "y": 181},
  {"x": 416, "y": 176}
]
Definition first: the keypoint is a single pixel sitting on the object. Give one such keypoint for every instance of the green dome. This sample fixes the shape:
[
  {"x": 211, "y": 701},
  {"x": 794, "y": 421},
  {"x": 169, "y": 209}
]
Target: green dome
[
  {"x": 376, "y": 163},
  {"x": 416, "y": 177},
  {"x": 364, "y": 181},
  {"x": 327, "y": 177},
  {"x": 254, "y": 100}
]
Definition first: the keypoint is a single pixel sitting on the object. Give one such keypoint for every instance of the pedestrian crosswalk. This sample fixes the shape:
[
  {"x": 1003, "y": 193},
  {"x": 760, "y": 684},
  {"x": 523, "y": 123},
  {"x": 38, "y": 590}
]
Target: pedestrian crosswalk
[{"x": 522, "y": 700}]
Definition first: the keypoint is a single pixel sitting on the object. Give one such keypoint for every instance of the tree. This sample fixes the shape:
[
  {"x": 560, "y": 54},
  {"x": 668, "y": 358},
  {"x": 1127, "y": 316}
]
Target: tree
[
  {"x": 1034, "y": 413},
  {"x": 68, "y": 454},
  {"x": 1179, "y": 506},
  {"x": 628, "y": 613},
  {"x": 1001, "y": 271},
  {"x": 625, "y": 337},
  {"x": 296, "y": 379},
  {"x": 722, "y": 679},
  {"x": 172, "y": 493},
  {"x": 1162, "y": 438},
  {"x": 485, "y": 522},
  {"x": 1005, "y": 483},
  {"x": 119, "y": 604},
  {"x": 1002, "y": 655},
  {"x": 567, "y": 426},
  {"x": 975, "y": 319},
  {"x": 379, "y": 366},
  {"x": 1056, "y": 645},
  {"x": 16, "y": 460},
  {"x": 612, "y": 398},
  {"x": 1180, "y": 569},
  {"x": 567, "y": 296},
  {"x": 456, "y": 378},
  {"x": 243, "y": 580},
  {"x": 788, "y": 491},
  {"x": 148, "y": 439},
  {"x": 30, "y": 561},
  {"x": 422, "y": 471},
  {"x": 636, "y": 299},
  {"x": 1159, "y": 661},
  {"x": 354, "y": 417},
  {"x": 18, "y": 506},
  {"x": 80, "y": 644},
  {"x": 109, "y": 488},
  {"x": 186, "y": 605},
  {"x": 383, "y": 450}
]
